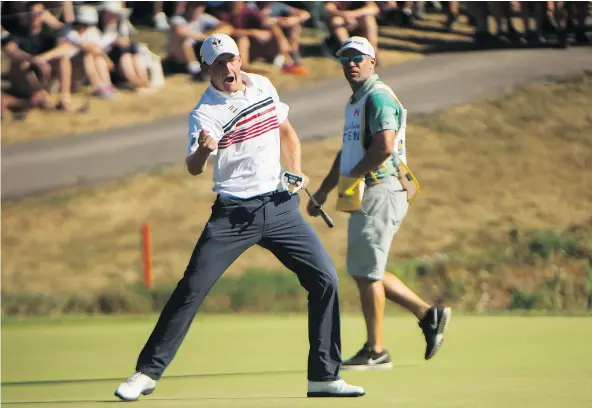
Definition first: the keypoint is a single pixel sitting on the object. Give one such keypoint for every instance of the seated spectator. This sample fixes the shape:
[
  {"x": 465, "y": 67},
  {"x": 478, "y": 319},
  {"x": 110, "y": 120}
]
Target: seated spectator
[
  {"x": 290, "y": 20},
  {"x": 88, "y": 52},
  {"x": 258, "y": 36},
  {"x": 571, "y": 19},
  {"x": 127, "y": 61},
  {"x": 187, "y": 35},
  {"x": 30, "y": 46},
  {"x": 348, "y": 18},
  {"x": 483, "y": 37},
  {"x": 536, "y": 11}
]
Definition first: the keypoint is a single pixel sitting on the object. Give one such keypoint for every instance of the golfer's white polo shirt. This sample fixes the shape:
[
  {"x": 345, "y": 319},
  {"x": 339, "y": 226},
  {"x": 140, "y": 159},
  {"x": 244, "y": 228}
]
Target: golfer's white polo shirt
[{"x": 246, "y": 125}]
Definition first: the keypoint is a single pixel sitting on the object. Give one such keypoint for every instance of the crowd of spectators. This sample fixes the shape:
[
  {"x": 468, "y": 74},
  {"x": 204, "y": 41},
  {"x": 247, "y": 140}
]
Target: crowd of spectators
[{"x": 60, "y": 46}]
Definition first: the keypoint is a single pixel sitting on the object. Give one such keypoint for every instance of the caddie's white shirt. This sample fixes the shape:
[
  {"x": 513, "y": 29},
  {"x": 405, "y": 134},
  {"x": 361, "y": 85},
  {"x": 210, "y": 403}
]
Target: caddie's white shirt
[{"x": 246, "y": 126}]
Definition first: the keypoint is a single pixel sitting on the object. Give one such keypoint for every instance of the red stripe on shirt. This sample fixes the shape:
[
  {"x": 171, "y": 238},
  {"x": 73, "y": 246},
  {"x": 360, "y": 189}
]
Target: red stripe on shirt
[
  {"x": 254, "y": 115},
  {"x": 255, "y": 131},
  {"x": 244, "y": 131}
]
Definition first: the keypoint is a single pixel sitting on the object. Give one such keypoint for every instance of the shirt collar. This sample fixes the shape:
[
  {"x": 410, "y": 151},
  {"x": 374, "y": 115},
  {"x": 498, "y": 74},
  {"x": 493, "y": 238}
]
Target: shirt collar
[
  {"x": 246, "y": 79},
  {"x": 365, "y": 88}
]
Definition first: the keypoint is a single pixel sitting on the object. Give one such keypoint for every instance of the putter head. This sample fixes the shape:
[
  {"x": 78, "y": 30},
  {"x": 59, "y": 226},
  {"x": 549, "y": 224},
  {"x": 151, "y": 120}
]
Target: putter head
[{"x": 291, "y": 179}]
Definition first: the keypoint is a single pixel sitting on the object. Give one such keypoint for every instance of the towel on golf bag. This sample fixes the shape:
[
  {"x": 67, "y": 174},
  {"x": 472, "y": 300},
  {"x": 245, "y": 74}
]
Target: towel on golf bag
[{"x": 350, "y": 191}]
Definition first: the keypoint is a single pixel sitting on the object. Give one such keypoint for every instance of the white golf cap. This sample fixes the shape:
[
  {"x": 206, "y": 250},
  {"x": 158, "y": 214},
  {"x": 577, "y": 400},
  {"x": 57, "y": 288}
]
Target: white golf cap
[
  {"x": 216, "y": 45},
  {"x": 115, "y": 7},
  {"x": 87, "y": 15},
  {"x": 360, "y": 44}
]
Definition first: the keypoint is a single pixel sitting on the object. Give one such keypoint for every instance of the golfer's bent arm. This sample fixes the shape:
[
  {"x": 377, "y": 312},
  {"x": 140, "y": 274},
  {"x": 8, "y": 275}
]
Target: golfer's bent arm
[
  {"x": 290, "y": 147},
  {"x": 196, "y": 162}
]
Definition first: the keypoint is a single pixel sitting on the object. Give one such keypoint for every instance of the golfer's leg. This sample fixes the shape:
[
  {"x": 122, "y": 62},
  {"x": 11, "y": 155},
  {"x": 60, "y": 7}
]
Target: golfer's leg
[
  {"x": 295, "y": 243},
  {"x": 218, "y": 247}
]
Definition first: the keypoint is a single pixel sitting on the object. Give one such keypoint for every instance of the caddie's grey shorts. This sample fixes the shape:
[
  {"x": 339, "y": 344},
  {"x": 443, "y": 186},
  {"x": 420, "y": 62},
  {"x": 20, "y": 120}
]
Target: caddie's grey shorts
[{"x": 371, "y": 230}]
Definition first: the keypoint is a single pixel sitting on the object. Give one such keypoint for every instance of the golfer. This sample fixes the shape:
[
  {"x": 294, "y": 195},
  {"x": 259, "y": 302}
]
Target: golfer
[
  {"x": 241, "y": 122},
  {"x": 366, "y": 173}
]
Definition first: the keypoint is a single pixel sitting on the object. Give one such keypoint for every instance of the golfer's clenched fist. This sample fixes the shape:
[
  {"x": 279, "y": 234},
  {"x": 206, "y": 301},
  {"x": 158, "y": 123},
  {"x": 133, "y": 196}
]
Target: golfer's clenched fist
[{"x": 205, "y": 142}]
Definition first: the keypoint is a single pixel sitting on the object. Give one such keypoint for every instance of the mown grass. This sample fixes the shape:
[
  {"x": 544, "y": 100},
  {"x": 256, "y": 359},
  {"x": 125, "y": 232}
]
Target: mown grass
[{"x": 260, "y": 361}]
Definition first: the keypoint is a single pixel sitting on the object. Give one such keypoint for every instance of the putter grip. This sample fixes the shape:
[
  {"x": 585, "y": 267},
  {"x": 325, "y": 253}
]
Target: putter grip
[{"x": 326, "y": 217}]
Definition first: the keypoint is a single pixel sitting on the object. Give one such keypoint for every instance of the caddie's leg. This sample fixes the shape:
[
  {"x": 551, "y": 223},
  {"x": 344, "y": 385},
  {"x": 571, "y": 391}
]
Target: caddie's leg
[
  {"x": 370, "y": 234},
  {"x": 235, "y": 226},
  {"x": 396, "y": 291},
  {"x": 372, "y": 300}
]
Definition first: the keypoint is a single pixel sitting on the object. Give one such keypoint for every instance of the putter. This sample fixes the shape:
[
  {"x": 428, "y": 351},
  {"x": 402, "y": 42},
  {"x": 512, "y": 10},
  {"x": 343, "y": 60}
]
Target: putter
[{"x": 293, "y": 179}]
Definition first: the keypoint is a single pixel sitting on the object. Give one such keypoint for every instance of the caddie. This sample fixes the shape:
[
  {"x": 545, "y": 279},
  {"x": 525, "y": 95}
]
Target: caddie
[
  {"x": 241, "y": 122},
  {"x": 374, "y": 185}
]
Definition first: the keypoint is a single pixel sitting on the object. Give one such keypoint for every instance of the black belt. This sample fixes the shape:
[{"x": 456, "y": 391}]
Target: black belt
[{"x": 271, "y": 193}]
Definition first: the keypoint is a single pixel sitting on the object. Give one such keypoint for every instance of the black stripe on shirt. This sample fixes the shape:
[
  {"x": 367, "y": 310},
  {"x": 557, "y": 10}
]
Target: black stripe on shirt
[{"x": 246, "y": 111}]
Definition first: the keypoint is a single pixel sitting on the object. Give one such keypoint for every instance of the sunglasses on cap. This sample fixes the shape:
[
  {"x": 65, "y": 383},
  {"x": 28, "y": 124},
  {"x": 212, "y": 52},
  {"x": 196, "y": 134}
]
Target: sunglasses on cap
[{"x": 356, "y": 59}]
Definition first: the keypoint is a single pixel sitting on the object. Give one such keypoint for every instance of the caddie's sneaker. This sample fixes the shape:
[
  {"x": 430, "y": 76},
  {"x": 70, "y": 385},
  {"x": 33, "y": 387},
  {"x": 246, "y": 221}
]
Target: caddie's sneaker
[
  {"x": 138, "y": 384},
  {"x": 434, "y": 324},
  {"x": 368, "y": 359},
  {"x": 337, "y": 388}
]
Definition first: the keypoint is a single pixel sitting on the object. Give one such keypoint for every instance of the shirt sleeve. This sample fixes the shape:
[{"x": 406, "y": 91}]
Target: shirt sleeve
[
  {"x": 282, "y": 108},
  {"x": 198, "y": 121},
  {"x": 73, "y": 37},
  {"x": 209, "y": 22},
  {"x": 177, "y": 20},
  {"x": 6, "y": 38},
  {"x": 383, "y": 112}
]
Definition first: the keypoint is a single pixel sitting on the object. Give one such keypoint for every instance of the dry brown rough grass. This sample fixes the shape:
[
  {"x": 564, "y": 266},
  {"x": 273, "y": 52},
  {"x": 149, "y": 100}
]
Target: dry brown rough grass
[{"x": 520, "y": 159}]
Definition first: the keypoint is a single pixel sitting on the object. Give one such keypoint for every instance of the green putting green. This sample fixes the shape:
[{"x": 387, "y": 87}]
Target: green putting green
[{"x": 260, "y": 361}]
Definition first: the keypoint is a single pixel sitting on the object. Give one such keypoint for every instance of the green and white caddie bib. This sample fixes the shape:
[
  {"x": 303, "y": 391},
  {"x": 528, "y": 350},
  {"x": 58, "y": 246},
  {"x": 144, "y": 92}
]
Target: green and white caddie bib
[{"x": 372, "y": 108}]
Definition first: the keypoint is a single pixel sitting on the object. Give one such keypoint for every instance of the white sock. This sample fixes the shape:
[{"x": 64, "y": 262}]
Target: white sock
[{"x": 194, "y": 68}]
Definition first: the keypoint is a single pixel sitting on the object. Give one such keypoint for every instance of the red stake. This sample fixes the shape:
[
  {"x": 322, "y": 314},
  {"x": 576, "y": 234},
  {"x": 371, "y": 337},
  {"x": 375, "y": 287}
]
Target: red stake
[{"x": 147, "y": 254}]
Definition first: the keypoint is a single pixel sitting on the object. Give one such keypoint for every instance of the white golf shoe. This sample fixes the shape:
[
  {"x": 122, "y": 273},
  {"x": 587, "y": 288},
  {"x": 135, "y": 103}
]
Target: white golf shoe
[
  {"x": 337, "y": 388},
  {"x": 136, "y": 385}
]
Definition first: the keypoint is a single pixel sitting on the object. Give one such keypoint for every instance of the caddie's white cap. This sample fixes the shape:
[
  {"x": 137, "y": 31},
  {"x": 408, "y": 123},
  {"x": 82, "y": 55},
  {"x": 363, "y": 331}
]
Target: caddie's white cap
[
  {"x": 216, "y": 45},
  {"x": 358, "y": 43}
]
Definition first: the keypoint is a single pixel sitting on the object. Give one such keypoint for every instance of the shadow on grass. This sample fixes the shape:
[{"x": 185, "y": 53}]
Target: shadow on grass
[
  {"x": 169, "y": 377},
  {"x": 57, "y": 402}
]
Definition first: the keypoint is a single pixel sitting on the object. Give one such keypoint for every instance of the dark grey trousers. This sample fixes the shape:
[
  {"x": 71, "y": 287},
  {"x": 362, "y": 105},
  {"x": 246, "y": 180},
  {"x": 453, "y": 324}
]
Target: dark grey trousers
[{"x": 274, "y": 222}]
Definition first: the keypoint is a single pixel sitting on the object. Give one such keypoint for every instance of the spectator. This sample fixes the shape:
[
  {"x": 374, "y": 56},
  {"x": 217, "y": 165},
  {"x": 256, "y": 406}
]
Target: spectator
[
  {"x": 187, "y": 35},
  {"x": 533, "y": 10},
  {"x": 573, "y": 22},
  {"x": 349, "y": 18},
  {"x": 502, "y": 10},
  {"x": 453, "y": 14},
  {"x": 31, "y": 46},
  {"x": 483, "y": 37},
  {"x": 88, "y": 53},
  {"x": 290, "y": 20},
  {"x": 258, "y": 36},
  {"x": 127, "y": 61}
]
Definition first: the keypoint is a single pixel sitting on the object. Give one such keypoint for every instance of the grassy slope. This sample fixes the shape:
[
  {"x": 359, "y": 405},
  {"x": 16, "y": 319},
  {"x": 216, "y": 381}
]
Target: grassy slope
[
  {"x": 483, "y": 168},
  {"x": 485, "y": 362}
]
